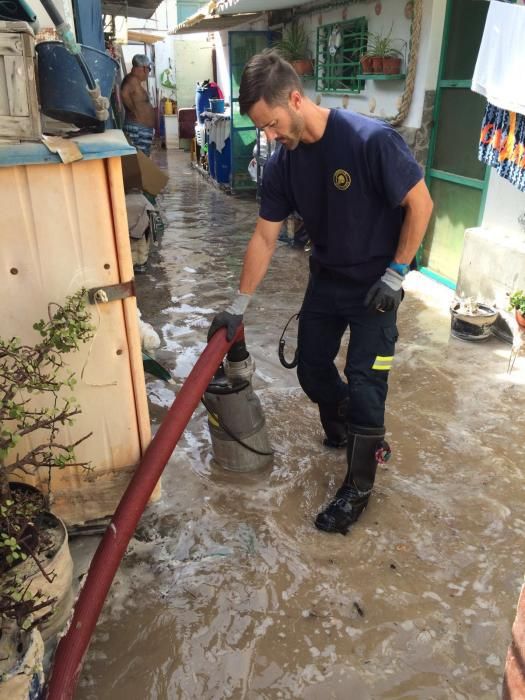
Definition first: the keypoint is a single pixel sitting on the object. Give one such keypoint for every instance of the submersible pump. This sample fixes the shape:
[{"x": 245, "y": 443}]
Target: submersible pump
[{"x": 235, "y": 415}]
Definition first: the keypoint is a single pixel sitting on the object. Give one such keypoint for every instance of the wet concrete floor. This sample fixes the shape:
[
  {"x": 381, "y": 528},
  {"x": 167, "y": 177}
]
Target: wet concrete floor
[{"x": 228, "y": 590}]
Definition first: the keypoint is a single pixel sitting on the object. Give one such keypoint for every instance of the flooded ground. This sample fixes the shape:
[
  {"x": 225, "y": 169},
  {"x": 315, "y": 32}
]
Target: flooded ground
[{"x": 228, "y": 590}]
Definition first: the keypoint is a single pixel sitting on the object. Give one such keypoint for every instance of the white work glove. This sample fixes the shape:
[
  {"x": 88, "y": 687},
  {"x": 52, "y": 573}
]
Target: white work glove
[
  {"x": 386, "y": 293},
  {"x": 231, "y": 317}
]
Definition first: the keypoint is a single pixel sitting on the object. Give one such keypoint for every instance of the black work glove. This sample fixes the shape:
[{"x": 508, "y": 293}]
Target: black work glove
[
  {"x": 231, "y": 317},
  {"x": 386, "y": 293},
  {"x": 225, "y": 319}
]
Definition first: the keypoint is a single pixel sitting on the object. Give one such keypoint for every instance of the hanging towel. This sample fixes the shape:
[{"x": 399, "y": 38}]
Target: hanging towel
[
  {"x": 219, "y": 131},
  {"x": 499, "y": 74},
  {"x": 502, "y": 144}
]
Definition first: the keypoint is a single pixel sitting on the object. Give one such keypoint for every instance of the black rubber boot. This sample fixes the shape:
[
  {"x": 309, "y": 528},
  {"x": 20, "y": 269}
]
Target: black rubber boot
[
  {"x": 334, "y": 421},
  {"x": 365, "y": 447}
]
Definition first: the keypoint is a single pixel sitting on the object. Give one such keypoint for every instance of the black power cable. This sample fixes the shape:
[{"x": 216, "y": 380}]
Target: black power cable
[
  {"x": 231, "y": 434},
  {"x": 282, "y": 342}
]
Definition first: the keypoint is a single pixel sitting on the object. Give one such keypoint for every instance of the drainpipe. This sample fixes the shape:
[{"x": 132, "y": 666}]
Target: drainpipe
[{"x": 71, "y": 650}]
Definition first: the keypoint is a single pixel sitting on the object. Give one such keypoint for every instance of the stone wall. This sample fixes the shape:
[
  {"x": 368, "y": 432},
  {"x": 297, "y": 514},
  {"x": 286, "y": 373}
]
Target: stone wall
[{"x": 418, "y": 140}]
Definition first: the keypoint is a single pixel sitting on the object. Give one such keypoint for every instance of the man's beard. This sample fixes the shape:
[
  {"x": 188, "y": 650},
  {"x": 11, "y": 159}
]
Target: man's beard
[{"x": 293, "y": 138}]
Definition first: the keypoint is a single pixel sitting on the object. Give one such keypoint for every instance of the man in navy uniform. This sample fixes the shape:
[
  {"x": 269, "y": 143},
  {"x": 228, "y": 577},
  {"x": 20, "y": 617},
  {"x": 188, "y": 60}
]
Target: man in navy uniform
[{"x": 366, "y": 207}]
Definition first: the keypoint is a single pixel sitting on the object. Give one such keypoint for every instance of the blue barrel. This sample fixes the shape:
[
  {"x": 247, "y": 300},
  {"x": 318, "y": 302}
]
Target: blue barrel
[
  {"x": 212, "y": 158},
  {"x": 62, "y": 85},
  {"x": 202, "y": 101},
  {"x": 223, "y": 163}
]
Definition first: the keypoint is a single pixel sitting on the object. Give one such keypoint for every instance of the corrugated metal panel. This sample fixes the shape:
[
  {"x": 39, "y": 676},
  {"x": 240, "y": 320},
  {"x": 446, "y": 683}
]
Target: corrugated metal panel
[
  {"x": 200, "y": 22},
  {"x": 65, "y": 227},
  {"x": 143, "y": 9},
  {"x": 228, "y": 7}
]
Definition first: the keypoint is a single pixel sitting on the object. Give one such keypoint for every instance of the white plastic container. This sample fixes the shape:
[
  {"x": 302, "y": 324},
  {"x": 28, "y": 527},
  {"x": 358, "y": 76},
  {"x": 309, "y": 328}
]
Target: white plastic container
[{"x": 171, "y": 124}]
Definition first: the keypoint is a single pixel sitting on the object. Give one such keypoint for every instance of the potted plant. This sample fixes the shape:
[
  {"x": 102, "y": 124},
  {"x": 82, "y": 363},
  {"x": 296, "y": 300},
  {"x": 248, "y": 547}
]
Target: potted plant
[
  {"x": 21, "y": 643},
  {"x": 293, "y": 47},
  {"x": 366, "y": 63},
  {"x": 381, "y": 55},
  {"x": 392, "y": 62},
  {"x": 35, "y": 404},
  {"x": 517, "y": 302}
]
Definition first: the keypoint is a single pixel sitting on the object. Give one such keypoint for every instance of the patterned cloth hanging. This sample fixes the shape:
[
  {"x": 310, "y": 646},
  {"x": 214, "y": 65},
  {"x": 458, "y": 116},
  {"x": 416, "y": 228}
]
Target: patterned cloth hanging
[{"x": 502, "y": 144}]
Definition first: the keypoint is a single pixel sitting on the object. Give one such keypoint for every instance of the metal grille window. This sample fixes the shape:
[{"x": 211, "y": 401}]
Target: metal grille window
[{"x": 339, "y": 47}]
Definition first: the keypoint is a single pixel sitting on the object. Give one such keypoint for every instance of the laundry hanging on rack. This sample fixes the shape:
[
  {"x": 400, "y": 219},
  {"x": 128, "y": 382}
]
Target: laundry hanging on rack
[
  {"x": 502, "y": 144},
  {"x": 500, "y": 65}
]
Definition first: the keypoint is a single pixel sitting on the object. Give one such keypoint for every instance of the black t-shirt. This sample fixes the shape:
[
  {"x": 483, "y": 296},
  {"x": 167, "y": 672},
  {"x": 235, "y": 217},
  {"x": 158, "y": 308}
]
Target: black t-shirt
[{"x": 347, "y": 187}]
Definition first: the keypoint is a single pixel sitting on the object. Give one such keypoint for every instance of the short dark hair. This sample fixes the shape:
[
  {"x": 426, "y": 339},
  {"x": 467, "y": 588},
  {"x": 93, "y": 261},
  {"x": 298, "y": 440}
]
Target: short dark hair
[{"x": 267, "y": 76}]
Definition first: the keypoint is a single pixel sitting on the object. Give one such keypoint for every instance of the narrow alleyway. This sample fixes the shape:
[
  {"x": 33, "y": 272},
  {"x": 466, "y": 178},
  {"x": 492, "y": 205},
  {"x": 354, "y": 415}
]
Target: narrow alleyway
[{"x": 228, "y": 590}]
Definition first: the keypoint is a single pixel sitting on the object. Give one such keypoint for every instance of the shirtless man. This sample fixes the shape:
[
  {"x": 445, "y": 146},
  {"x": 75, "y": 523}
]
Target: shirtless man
[{"x": 139, "y": 121}]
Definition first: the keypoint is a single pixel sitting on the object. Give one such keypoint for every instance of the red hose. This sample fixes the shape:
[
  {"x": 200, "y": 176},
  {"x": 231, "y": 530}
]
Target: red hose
[{"x": 70, "y": 652}]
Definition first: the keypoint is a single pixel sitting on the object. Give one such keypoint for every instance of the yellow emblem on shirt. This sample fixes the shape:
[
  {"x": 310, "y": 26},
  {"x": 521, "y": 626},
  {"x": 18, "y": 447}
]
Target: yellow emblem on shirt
[{"x": 342, "y": 179}]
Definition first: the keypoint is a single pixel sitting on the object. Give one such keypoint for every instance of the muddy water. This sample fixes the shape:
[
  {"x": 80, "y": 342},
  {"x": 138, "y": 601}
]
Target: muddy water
[{"x": 228, "y": 591}]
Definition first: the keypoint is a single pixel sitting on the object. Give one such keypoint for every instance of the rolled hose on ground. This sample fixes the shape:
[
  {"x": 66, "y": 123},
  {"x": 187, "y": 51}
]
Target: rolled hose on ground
[{"x": 70, "y": 652}]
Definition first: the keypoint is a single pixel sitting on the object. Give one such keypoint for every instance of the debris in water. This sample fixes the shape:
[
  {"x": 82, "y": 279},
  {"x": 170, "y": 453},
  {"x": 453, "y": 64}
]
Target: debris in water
[{"x": 359, "y": 609}]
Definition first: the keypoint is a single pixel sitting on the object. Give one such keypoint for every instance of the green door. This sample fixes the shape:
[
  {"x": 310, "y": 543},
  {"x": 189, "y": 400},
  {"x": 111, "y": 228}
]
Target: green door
[
  {"x": 456, "y": 179},
  {"x": 243, "y": 45}
]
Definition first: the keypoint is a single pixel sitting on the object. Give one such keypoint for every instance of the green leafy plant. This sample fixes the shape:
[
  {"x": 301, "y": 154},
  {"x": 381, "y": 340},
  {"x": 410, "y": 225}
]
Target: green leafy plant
[
  {"x": 293, "y": 45},
  {"x": 384, "y": 45},
  {"x": 20, "y": 538},
  {"x": 39, "y": 369},
  {"x": 35, "y": 400},
  {"x": 19, "y": 603},
  {"x": 517, "y": 301}
]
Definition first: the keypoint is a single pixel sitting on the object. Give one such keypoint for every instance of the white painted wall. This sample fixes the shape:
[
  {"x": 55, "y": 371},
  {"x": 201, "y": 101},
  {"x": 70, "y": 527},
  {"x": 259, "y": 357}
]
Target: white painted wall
[
  {"x": 428, "y": 58},
  {"x": 223, "y": 63},
  {"x": 434, "y": 15},
  {"x": 65, "y": 7},
  {"x": 503, "y": 206},
  {"x": 192, "y": 61}
]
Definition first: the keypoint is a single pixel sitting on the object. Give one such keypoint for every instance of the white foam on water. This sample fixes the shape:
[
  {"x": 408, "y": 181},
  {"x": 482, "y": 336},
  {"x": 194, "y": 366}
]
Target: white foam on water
[
  {"x": 187, "y": 309},
  {"x": 159, "y": 393}
]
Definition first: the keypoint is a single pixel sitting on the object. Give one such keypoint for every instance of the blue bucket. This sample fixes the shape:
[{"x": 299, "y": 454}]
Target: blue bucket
[
  {"x": 217, "y": 106},
  {"x": 62, "y": 85}
]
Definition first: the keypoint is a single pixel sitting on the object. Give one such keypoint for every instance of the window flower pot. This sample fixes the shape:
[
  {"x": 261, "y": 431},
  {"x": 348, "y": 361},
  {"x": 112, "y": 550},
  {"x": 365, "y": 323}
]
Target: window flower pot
[
  {"x": 520, "y": 318},
  {"x": 366, "y": 64},
  {"x": 377, "y": 64},
  {"x": 391, "y": 65},
  {"x": 303, "y": 66}
]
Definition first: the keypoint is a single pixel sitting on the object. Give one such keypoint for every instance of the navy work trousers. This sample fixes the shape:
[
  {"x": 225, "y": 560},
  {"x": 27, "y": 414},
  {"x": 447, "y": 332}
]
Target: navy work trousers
[{"x": 331, "y": 305}]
